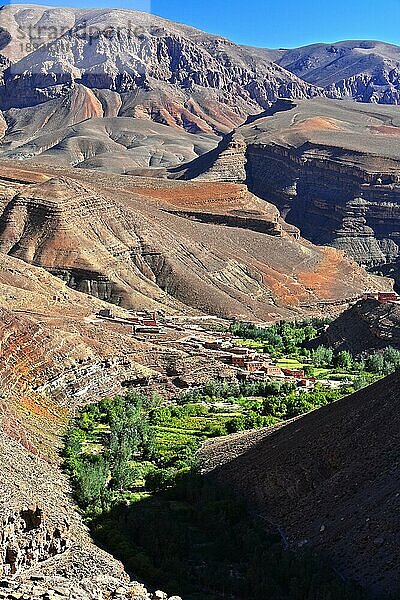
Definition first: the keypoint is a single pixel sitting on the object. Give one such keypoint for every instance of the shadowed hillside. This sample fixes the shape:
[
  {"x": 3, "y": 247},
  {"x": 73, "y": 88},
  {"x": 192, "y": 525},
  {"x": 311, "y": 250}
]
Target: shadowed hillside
[
  {"x": 328, "y": 480},
  {"x": 365, "y": 327}
]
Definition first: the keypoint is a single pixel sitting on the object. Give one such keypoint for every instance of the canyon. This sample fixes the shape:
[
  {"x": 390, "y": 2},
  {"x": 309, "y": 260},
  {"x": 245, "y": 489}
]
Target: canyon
[
  {"x": 331, "y": 167},
  {"x": 149, "y": 166},
  {"x": 72, "y": 241}
]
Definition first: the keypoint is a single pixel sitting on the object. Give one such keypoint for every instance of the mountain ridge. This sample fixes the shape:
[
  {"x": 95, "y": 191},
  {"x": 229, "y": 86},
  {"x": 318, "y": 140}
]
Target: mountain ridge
[{"x": 363, "y": 70}]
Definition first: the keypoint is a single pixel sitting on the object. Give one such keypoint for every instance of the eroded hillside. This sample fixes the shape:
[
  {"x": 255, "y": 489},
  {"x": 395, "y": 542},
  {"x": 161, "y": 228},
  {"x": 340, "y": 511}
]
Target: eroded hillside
[
  {"x": 330, "y": 166},
  {"x": 366, "y": 327},
  {"x": 124, "y": 70},
  {"x": 173, "y": 246}
]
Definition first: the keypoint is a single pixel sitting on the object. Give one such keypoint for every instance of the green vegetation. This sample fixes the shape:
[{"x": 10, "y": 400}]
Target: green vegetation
[
  {"x": 132, "y": 463},
  {"x": 136, "y": 444},
  {"x": 263, "y": 403},
  {"x": 197, "y": 540},
  {"x": 284, "y": 338},
  {"x": 286, "y": 343}
]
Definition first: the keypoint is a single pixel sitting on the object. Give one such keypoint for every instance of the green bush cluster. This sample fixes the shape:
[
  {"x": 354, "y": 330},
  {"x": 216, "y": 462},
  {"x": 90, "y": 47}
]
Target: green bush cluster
[
  {"x": 284, "y": 337},
  {"x": 381, "y": 363}
]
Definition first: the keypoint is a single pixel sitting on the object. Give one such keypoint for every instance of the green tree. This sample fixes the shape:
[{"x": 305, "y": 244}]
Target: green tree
[
  {"x": 236, "y": 424},
  {"x": 375, "y": 363},
  {"x": 343, "y": 360},
  {"x": 322, "y": 356},
  {"x": 91, "y": 477}
]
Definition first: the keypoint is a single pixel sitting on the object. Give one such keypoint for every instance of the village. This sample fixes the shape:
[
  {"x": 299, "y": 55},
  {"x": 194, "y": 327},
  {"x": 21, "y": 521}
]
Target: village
[{"x": 208, "y": 337}]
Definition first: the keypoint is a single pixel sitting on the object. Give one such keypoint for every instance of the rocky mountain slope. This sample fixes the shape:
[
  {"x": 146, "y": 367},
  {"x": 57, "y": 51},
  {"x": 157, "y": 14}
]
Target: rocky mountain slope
[
  {"x": 54, "y": 357},
  {"x": 327, "y": 480},
  {"x": 363, "y": 70},
  {"x": 113, "y": 144},
  {"x": 46, "y": 551},
  {"x": 366, "y": 327},
  {"x": 332, "y": 168},
  {"x": 171, "y": 245},
  {"x": 63, "y": 66}
]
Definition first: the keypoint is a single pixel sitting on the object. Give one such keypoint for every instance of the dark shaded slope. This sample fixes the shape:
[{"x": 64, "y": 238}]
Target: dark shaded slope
[
  {"x": 328, "y": 480},
  {"x": 365, "y": 327}
]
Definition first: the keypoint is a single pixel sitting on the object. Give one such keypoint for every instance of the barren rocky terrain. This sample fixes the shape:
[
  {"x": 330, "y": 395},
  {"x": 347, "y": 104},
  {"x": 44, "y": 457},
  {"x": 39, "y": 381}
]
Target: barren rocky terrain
[
  {"x": 364, "y": 328},
  {"x": 363, "y": 70},
  {"x": 124, "y": 70},
  {"x": 173, "y": 246},
  {"x": 330, "y": 166},
  {"x": 327, "y": 480}
]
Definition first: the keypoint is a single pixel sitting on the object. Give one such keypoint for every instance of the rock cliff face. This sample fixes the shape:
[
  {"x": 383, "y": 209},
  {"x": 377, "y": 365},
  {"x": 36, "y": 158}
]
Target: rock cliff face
[
  {"x": 121, "y": 63},
  {"x": 366, "y": 327},
  {"x": 365, "y": 70},
  {"x": 209, "y": 246},
  {"x": 327, "y": 480},
  {"x": 26, "y": 540},
  {"x": 331, "y": 167}
]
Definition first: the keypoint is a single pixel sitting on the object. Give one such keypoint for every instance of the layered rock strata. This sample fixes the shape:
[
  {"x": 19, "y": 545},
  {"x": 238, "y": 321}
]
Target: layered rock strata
[{"x": 331, "y": 167}]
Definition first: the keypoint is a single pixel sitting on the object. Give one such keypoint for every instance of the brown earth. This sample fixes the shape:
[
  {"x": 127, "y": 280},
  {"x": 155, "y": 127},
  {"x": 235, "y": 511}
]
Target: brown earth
[
  {"x": 327, "y": 480},
  {"x": 331, "y": 167},
  {"x": 170, "y": 245},
  {"x": 55, "y": 356}
]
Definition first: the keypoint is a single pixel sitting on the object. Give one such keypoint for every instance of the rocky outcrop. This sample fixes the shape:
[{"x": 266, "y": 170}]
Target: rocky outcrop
[
  {"x": 161, "y": 70},
  {"x": 366, "y": 327},
  {"x": 26, "y": 540},
  {"x": 365, "y": 70},
  {"x": 227, "y": 162},
  {"x": 331, "y": 167},
  {"x": 327, "y": 481}
]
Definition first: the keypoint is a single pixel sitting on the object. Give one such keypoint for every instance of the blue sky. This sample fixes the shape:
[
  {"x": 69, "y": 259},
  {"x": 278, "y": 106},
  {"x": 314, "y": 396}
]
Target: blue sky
[{"x": 274, "y": 23}]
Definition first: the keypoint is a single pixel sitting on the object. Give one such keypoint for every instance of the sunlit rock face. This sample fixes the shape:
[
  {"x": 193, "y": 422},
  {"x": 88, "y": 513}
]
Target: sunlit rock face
[
  {"x": 363, "y": 70},
  {"x": 331, "y": 167},
  {"x": 155, "y": 69}
]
